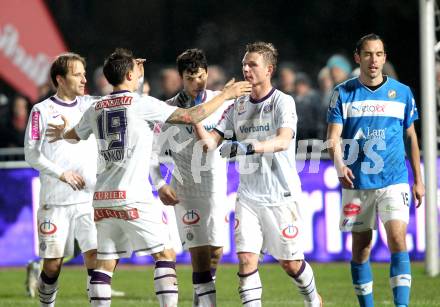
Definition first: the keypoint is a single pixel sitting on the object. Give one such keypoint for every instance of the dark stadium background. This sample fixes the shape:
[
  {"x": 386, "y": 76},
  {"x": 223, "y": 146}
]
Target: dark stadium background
[{"x": 305, "y": 32}]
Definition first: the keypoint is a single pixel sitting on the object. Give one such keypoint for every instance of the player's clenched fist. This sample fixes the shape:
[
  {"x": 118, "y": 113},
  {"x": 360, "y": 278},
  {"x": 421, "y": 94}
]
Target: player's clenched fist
[{"x": 232, "y": 149}]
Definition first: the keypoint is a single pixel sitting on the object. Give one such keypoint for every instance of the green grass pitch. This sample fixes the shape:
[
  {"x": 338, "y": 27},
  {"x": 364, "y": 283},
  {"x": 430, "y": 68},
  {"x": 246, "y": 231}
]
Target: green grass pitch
[{"x": 333, "y": 281}]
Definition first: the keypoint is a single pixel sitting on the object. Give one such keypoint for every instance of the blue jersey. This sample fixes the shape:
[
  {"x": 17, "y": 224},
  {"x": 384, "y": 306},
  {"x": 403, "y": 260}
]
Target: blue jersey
[{"x": 373, "y": 125}]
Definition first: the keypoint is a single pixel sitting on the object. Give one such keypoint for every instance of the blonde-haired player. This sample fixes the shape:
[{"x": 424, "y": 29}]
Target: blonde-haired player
[{"x": 267, "y": 208}]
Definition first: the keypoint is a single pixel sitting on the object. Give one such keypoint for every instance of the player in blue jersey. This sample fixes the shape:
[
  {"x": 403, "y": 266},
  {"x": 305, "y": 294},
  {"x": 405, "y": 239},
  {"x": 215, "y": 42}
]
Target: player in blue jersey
[{"x": 373, "y": 114}]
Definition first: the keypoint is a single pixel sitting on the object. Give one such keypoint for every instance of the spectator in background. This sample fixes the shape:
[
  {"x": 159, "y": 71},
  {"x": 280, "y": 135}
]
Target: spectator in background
[
  {"x": 45, "y": 90},
  {"x": 325, "y": 84},
  {"x": 311, "y": 113},
  {"x": 146, "y": 88},
  {"x": 102, "y": 87},
  {"x": 170, "y": 83},
  {"x": 4, "y": 110},
  {"x": 388, "y": 70},
  {"x": 16, "y": 121},
  {"x": 216, "y": 78},
  {"x": 340, "y": 68},
  {"x": 286, "y": 78}
]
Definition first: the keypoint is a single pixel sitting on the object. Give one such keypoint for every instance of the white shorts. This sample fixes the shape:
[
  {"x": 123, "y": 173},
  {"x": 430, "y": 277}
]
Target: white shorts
[
  {"x": 136, "y": 228},
  {"x": 361, "y": 207},
  {"x": 59, "y": 226},
  {"x": 275, "y": 229},
  {"x": 201, "y": 221}
]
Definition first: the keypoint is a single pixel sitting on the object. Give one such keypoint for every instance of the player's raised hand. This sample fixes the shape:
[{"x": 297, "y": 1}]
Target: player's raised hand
[
  {"x": 168, "y": 196},
  {"x": 234, "y": 89},
  {"x": 56, "y": 132},
  {"x": 418, "y": 191},
  {"x": 72, "y": 178},
  {"x": 346, "y": 178}
]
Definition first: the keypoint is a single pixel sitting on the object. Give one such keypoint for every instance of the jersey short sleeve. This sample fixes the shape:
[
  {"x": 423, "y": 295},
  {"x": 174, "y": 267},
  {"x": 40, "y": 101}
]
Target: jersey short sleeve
[
  {"x": 334, "y": 113},
  {"x": 285, "y": 114},
  {"x": 225, "y": 126},
  {"x": 411, "y": 113},
  {"x": 84, "y": 127},
  {"x": 155, "y": 110}
]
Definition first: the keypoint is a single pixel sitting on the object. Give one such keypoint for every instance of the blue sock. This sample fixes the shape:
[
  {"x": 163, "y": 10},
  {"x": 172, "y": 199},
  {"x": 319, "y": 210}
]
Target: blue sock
[
  {"x": 400, "y": 278},
  {"x": 363, "y": 283}
]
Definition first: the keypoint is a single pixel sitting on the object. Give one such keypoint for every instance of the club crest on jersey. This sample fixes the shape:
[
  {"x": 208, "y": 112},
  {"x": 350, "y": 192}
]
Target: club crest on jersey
[
  {"x": 191, "y": 217},
  {"x": 241, "y": 107},
  {"x": 47, "y": 227},
  {"x": 392, "y": 94},
  {"x": 289, "y": 231},
  {"x": 267, "y": 108}
]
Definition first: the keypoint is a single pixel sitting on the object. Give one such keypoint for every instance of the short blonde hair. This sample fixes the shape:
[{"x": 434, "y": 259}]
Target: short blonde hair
[{"x": 267, "y": 50}]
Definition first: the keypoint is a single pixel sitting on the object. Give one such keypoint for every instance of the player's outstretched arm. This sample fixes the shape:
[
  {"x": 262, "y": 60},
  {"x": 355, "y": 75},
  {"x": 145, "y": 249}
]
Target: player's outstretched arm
[
  {"x": 413, "y": 152},
  {"x": 280, "y": 142},
  {"x": 60, "y": 132},
  {"x": 211, "y": 140},
  {"x": 198, "y": 113},
  {"x": 345, "y": 174}
]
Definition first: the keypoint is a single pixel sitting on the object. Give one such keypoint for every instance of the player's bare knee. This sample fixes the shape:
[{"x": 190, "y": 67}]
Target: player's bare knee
[
  {"x": 52, "y": 267},
  {"x": 396, "y": 243},
  {"x": 165, "y": 255},
  {"x": 90, "y": 258},
  {"x": 291, "y": 267},
  {"x": 361, "y": 254},
  {"x": 106, "y": 265},
  {"x": 216, "y": 255},
  {"x": 248, "y": 262},
  {"x": 200, "y": 258},
  {"x": 396, "y": 235},
  {"x": 90, "y": 254}
]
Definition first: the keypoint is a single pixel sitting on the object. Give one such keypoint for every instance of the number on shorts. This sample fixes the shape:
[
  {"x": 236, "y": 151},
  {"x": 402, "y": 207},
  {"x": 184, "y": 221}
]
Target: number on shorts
[{"x": 405, "y": 198}]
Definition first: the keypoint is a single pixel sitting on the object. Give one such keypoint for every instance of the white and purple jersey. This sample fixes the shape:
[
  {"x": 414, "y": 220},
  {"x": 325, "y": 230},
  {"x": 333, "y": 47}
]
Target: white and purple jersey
[
  {"x": 122, "y": 123},
  {"x": 195, "y": 173},
  {"x": 52, "y": 159},
  {"x": 373, "y": 124},
  {"x": 266, "y": 179}
]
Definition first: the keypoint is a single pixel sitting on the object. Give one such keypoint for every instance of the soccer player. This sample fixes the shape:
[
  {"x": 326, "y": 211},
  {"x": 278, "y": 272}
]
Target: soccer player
[
  {"x": 200, "y": 185},
  {"x": 126, "y": 219},
  {"x": 267, "y": 211},
  {"x": 67, "y": 175},
  {"x": 373, "y": 113}
]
